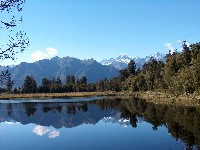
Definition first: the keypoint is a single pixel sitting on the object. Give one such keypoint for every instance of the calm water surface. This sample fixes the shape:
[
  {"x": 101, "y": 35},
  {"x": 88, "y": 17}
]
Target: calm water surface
[{"x": 104, "y": 124}]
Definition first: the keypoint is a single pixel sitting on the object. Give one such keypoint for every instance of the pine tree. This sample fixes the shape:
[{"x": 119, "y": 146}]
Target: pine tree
[
  {"x": 45, "y": 87},
  {"x": 83, "y": 80},
  {"x": 30, "y": 85},
  {"x": 15, "y": 91},
  {"x": 131, "y": 67},
  {"x": 68, "y": 79},
  {"x": 73, "y": 79},
  {"x": 9, "y": 83},
  {"x": 186, "y": 54}
]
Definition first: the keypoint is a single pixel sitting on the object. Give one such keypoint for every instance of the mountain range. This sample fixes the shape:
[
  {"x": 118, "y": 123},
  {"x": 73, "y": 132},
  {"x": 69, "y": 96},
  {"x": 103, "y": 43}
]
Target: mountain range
[
  {"x": 58, "y": 115},
  {"x": 61, "y": 67},
  {"x": 122, "y": 60}
]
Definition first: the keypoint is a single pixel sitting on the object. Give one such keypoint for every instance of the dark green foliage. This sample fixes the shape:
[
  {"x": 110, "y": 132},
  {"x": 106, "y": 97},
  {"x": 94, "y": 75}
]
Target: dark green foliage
[
  {"x": 9, "y": 83},
  {"x": 113, "y": 85},
  {"x": 186, "y": 54},
  {"x": 179, "y": 75},
  {"x": 124, "y": 74},
  {"x": 68, "y": 79},
  {"x": 45, "y": 87},
  {"x": 182, "y": 70},
  {"x": 131, "y": 67},
  {"x": 55, "y": 85},
  {"x": 30, "y": 85},
  {"x": 15, "y": 91},
  {"x": 2, "y": 90},
  {"x": 139, "y": 83},
  {"x": 131, "y": 70},
  {"x": 73, "y": 79},
  {"x": 100, "y": 86},
  {"x": 83, "y": 80}
]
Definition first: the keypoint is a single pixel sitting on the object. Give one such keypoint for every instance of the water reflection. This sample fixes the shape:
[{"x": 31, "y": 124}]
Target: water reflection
[
  {"x": 41, "y": 130},
  {"x": 183, "y": 123},
  {"x": 57, "y": 115}
]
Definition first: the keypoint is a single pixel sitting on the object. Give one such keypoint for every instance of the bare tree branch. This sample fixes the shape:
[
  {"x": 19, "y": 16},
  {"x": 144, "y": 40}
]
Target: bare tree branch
[{"x": 17, "y": 41}]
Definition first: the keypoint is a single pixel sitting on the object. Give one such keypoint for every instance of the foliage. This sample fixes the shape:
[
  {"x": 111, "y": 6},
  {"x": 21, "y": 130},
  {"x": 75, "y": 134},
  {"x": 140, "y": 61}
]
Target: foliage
[
  {"x": 30, "y": 85},
  {"x": 17, "y": 41},
  {"x": 55, "y": 85},
  {"x": 178, "y": 75},
  {"x": 9, "y": 83}
]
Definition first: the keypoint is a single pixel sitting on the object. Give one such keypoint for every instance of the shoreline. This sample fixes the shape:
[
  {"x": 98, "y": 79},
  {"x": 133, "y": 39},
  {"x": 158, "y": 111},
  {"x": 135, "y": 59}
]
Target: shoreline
[
  {"x": 162, "y": 98},
  {"x": 153, "y": 97},
  {"x": 5, "y": 96}
]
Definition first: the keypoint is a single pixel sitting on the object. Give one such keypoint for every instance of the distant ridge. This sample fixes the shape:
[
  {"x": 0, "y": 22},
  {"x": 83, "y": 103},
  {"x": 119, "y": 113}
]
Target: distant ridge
[
  {"x": 61, "y": 67},
  {"x": 122, "y": 60}
]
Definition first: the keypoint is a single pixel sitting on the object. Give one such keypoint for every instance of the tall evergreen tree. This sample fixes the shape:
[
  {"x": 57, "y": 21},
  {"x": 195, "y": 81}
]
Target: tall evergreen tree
[
  {"x": 73, "y": 79},
  {"x": 68, "y": 79},
  {"x": 45, "y": 87},
  {"x": 83, "y": 80},
  {"x": 9, "y": 83},
  {"x": 30, "y": 85},
  {"x": 131, "y": 67},
  {"x": 186, "y": 54}
]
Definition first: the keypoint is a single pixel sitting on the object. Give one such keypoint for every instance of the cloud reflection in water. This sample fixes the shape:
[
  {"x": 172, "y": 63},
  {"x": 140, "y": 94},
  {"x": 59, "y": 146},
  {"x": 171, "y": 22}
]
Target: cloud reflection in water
[{"x": 41, "y": 130}]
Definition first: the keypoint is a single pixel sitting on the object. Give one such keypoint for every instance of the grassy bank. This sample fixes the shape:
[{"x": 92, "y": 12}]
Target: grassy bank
[
  {"x": 162, "y": 98},
  {"x": 6, "y": 96},
  {"x": 154, "y": 97}
]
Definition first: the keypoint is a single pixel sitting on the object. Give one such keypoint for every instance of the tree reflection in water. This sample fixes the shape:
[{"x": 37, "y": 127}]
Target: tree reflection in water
[{"x": 183, "y": 122}]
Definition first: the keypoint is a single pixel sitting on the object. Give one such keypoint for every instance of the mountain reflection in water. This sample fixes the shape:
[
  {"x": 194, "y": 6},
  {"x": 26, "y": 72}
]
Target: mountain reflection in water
[{"x": 183, "y": 123}]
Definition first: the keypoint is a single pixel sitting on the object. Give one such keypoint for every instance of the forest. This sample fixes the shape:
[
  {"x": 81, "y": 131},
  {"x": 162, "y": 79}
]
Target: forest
[{"x": 178, "y": 75}]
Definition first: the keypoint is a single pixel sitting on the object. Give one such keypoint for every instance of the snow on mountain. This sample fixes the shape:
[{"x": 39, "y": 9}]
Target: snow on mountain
[
  {"x": 124, "y": 122},
  {"x": 122, "y": 60},
  {"x": 158, "y": 56},
  {"x": 107, "y": 61},
  {"x": 117, "y": 119}
]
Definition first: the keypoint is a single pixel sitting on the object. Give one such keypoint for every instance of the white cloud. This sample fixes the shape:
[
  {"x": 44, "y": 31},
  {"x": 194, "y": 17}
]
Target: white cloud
[
  {"x": 39, "y": 55},
  {"x": 9, "y": 123},
  {"x": 51, "y": 51},
  {"x": 170, "y": 47},
  {"x": 53, "y": 134},
  {"x": 40, "y": 130}
]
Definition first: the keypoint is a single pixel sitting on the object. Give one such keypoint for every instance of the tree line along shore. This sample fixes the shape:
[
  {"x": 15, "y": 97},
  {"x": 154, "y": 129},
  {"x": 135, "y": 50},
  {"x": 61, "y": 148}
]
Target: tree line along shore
[
  {"x": 177, "y": 76},
  {"x": 153, "y": 97}
]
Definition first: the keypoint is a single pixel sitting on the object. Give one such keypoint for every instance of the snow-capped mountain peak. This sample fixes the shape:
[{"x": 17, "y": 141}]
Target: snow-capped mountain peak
[
  {"x": 157, "y": 56},
  {"x": 121, "y": 61},
  {"x": 107, "y": 61},
  {"x": 123, "y": 58}
]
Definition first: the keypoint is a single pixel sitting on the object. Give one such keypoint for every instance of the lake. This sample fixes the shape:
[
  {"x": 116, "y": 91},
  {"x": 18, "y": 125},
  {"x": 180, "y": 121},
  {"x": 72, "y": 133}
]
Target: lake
[{"x": 97, "y": 124}]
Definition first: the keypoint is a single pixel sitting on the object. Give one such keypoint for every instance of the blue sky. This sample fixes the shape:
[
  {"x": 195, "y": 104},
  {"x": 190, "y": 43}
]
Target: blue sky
[{"x": 106, "y": 28}]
